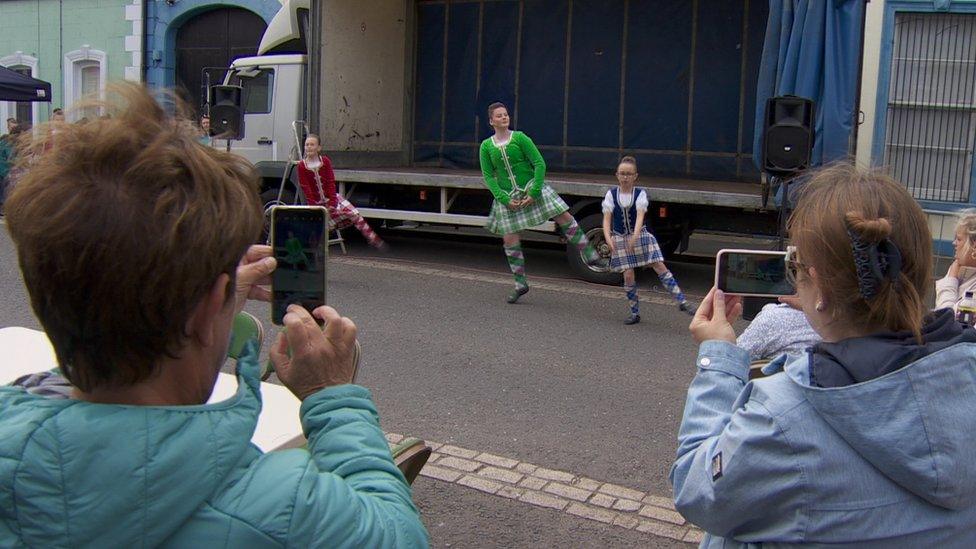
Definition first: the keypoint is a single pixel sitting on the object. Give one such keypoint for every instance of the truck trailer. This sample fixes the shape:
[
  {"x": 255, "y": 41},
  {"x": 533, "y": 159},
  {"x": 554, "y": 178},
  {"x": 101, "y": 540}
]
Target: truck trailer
[{"x": 398, "y": 90}]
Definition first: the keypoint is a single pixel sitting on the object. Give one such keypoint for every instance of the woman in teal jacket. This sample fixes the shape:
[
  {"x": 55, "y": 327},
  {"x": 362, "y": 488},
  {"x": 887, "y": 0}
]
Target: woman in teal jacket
[
  {"x": 134, "y": 243},
  {"x": 864, "y": 441},
  {"x": 515, "y": 173}
]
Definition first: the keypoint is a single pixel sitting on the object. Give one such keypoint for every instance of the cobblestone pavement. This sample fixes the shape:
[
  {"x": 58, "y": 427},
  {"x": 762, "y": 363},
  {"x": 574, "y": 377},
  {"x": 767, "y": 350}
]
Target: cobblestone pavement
[{"x": 569, "y": 493}]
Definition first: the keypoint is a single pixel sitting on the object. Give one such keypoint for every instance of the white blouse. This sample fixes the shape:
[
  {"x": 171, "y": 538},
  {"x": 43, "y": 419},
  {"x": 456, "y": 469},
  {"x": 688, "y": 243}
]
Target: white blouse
[{"x": 626, "y": 199}]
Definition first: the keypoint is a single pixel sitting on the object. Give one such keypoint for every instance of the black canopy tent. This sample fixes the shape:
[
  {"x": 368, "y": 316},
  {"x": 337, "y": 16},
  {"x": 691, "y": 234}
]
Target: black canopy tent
[{"x": 19, "y": 87}]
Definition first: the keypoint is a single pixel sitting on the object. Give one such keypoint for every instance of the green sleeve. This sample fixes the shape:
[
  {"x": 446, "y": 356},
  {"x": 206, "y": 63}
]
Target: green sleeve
[
  {"x": 488, "y": 171},
  {"x": 535, "y": 157}
]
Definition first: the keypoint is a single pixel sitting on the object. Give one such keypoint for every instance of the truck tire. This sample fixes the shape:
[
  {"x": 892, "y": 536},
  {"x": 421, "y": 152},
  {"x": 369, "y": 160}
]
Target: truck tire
[
  {"x": 269, "y": 199},
  {"x": 592, "y": 226}
]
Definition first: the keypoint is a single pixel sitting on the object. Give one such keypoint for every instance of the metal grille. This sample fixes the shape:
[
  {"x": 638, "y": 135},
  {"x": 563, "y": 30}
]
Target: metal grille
[{"x": 931, "y": 105}]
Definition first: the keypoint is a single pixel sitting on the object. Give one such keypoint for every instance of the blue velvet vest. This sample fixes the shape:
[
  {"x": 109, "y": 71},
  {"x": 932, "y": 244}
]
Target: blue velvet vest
[{"x": 624, "y": 219}]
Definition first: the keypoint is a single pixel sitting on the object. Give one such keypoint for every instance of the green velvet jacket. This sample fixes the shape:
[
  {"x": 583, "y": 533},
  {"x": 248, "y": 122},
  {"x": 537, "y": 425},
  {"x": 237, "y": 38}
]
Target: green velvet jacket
[{"x": 516, "y": 165}]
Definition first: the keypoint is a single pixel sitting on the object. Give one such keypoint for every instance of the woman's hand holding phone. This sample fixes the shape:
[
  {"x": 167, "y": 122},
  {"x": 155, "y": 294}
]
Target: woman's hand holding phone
[
  {"x": 308, "y": 358},
  {"x": 715, "y": 316},
  {"x": 254, "y": 275}
]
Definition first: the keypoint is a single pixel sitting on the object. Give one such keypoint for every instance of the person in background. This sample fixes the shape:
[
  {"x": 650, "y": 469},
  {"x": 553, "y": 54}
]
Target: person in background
[
  {"x": 778, "y": 328},
  {"x": 57, "y": 116},
  {"x": 7, "y": 147},
  {"x": 318, "y": 184},
  {"x": 204, "y": 137},
  {"x": 961, "y": 276},
  {"x": 9, "y": 170},
  {"x": 862, "y": 441},
  {"x": 632, "y": 246},
  {"x": 135, "y": 245}
]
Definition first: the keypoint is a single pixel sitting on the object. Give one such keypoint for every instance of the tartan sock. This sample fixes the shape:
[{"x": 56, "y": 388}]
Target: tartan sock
[
  {"x": 371, "y": 237},
  {"x": 516, "y": 262},
  {"x": 631, "y": 290},
  {"x": 672, "y": 285},
  {"x": 576, "y": 237}
]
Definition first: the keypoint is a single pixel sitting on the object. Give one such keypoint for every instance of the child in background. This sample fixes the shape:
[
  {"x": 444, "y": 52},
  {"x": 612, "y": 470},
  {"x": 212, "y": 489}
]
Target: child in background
[
  {"x": 961, "y": 277},
  {"x": 631, "y": 244},
  {"x": 778, "y": 328}
]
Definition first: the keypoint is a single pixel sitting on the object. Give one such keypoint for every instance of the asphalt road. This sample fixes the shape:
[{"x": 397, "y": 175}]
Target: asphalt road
[{"x": 556, "y": 380}]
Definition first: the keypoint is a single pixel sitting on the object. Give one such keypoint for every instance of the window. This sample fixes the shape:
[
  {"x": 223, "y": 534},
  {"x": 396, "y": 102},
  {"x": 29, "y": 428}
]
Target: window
[
  {"x": 258, "y": 90},
  {"x": 90, "y": 87},
  {"x": 25, "y": 112},
  {"x": 85, "y": 73},
  {"x": 929, "y": 138}
]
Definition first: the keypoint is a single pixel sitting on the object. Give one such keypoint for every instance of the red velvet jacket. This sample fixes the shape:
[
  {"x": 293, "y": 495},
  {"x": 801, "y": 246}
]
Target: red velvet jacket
[{"x": 314, "y": 195}]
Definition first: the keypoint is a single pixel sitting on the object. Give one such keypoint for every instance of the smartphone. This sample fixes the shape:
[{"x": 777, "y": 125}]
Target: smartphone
[
  {"x": 299, "y": 243},
  {"x": 752, "y": 273}
]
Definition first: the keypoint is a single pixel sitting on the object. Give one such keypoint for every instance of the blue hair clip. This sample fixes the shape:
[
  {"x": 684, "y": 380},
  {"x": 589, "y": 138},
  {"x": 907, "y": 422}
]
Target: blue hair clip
[{"x": 875, "y": 262}]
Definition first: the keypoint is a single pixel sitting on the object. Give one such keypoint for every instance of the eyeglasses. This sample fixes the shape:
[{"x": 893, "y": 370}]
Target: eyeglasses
[
  {"x": 625, "y": 174},
  {"x": 793, "y": 265}
]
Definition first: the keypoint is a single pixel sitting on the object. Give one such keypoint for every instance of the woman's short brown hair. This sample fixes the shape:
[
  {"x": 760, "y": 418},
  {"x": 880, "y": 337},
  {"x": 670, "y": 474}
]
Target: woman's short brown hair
[
  {"x": 122, "y": 225},
  {"x": 874, "y": 207},
  {"x": 495, "y": 105}
]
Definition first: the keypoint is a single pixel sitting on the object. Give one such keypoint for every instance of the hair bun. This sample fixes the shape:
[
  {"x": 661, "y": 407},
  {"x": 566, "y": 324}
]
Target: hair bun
[{"x": 871, "y": 230}]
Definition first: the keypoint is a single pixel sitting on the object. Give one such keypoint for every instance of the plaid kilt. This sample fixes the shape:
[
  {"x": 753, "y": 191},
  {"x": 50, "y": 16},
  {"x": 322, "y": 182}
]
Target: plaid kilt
[
  {"x": 503, "y": 221},
  {"x": 645, "y": 252},
  {"x": 345, "y": 214}
]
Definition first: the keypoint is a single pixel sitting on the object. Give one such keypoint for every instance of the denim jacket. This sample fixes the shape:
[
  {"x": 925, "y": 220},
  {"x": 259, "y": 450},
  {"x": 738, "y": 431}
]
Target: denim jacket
[{"x": 889, "y": 462}]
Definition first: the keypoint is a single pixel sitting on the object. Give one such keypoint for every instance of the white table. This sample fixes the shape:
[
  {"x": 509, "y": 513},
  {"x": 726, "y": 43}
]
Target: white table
[{"x": 24, "y": 351}]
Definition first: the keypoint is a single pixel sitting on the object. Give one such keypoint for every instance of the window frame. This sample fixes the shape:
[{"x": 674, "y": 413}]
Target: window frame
[
  {"x": 74, "y": 62},
  {"x": 9, "y": 108},
  {"x": 892, "y": 8}
]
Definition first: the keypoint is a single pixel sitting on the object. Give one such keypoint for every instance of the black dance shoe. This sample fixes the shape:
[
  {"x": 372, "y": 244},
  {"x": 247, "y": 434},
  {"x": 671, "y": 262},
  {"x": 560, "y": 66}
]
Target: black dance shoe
[{"x": 517, "y": 293}]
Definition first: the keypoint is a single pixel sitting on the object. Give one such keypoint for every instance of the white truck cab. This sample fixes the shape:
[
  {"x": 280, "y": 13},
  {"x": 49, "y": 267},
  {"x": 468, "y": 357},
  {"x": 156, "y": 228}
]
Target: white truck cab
[{"x": 272, "y": 94}]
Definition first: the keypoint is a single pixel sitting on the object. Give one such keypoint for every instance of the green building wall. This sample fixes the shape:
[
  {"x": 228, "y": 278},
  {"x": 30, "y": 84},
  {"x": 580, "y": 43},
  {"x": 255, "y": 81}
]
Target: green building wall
[{"x": 47, "y": 30}]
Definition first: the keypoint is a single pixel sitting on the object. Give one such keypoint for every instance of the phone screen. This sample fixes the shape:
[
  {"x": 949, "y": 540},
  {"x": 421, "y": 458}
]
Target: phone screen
[
  {"x": 752, "y": 273},
  {"x": 298, "y": 241}
]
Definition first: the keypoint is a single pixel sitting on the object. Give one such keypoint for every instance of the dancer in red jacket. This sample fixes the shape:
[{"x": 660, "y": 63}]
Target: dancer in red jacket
[{"x": 318, "y": 184}]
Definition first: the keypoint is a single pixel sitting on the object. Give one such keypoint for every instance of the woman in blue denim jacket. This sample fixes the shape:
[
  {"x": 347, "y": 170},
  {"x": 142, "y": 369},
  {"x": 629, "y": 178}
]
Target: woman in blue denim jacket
[{"x": 867, "y": 439}]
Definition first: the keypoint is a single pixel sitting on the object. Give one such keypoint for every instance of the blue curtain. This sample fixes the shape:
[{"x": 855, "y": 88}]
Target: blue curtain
[{"x": 812, "y": 50}]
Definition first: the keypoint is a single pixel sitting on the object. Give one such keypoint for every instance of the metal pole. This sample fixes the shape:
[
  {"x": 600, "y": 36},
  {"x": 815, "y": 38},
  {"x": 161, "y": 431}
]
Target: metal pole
[
  {"x": 852, "y": 144},
  {"x": 313, "y": 77}
]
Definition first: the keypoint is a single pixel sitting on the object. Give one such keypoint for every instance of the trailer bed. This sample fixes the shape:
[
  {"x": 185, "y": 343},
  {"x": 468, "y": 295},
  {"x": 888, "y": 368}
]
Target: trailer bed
[{"x": 660, "y": 189}]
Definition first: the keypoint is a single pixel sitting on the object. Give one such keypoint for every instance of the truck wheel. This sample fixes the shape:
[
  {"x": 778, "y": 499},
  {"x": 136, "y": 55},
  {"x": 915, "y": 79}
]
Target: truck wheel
[
  {"x": 269, "y": 199},
  {"x": 592, "y": 226}
]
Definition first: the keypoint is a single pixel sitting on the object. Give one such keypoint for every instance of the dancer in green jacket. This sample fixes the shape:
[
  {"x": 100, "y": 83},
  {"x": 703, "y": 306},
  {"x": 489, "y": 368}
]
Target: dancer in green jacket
[{"x": 515, "y": 174}]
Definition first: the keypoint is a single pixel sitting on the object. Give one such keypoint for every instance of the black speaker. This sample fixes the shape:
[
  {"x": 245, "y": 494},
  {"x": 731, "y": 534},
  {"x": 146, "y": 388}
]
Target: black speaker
[
  {"x": 788, "y": 135},
  {"x": 226, "y": 112}
]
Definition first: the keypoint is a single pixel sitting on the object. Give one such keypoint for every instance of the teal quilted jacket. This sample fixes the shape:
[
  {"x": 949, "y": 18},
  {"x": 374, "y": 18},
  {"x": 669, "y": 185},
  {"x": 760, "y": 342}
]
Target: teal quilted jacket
[{"x": 75, "y": 474}]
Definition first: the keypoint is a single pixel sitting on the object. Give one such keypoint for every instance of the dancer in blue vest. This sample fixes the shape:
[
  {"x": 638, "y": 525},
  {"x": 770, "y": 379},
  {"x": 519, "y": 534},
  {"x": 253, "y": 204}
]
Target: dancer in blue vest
[{"x": 631, "y": 244}]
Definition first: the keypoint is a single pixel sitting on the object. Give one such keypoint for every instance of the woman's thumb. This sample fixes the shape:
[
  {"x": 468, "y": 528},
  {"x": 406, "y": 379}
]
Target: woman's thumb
[{"x": 718, "y": 312}]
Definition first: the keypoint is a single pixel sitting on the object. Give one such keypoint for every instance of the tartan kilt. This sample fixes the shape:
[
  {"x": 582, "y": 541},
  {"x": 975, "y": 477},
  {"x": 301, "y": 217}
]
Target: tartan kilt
[
  {"x": 645, "y": 252},
  {"x": 503, "y": 221},
  {"x": 345, "y": 214}
]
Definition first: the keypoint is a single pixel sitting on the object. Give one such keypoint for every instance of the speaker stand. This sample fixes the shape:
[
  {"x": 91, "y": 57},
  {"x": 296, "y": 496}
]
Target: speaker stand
[{"x": 228, "y": 146}]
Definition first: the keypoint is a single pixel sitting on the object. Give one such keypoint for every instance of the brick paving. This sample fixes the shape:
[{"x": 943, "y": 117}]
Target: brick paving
[{"x": 500, "y": 476}]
